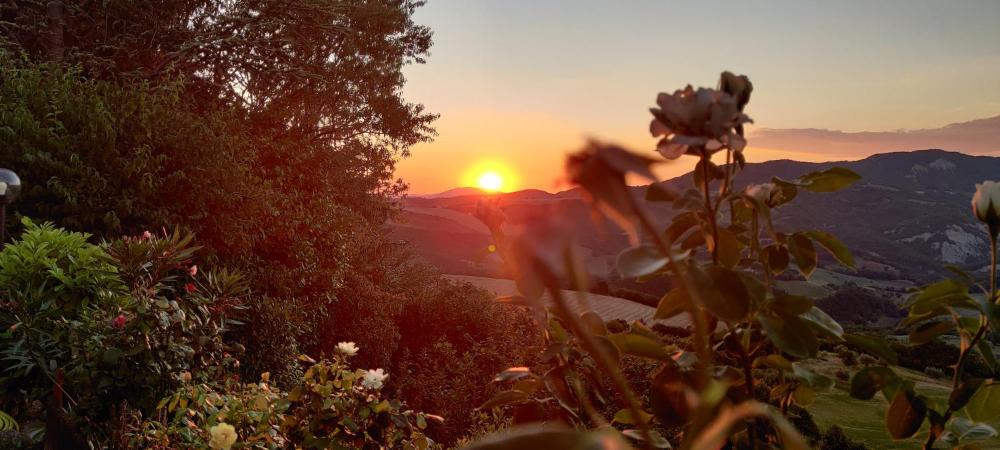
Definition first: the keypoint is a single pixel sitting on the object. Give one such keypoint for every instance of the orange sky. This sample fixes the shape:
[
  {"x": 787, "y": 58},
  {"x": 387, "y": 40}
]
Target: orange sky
[{"x": 520, "y": 84}]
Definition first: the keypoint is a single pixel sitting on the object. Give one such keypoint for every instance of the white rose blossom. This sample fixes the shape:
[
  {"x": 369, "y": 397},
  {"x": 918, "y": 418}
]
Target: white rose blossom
[
  {"x": 986, "y": 203},
  {"x": 223, "y": 436},
  {"x": 347, "y": 348},
  {"x": 702, "y": 120},
  {"x": 373, "y": 379}
]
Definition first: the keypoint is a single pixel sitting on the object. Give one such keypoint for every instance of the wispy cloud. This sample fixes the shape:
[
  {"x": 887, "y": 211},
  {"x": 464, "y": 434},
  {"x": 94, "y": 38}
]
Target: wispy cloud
[{"x": 980, "y": 136}]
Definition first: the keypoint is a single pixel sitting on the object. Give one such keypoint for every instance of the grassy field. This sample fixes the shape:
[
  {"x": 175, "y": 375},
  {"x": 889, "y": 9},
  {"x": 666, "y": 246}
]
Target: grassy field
[
  {"x": 864, "y": 421},
  {"x": 608, "y": 307}
]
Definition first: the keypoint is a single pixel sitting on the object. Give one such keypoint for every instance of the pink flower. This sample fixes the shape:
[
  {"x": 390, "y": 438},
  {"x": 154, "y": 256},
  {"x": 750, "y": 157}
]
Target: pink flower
[
  {"x": 119, "y": 322},
  {"x": 146, "y": 235},
  {"x": 193, "y": 270},
  {"x": 190, "y": 287}
]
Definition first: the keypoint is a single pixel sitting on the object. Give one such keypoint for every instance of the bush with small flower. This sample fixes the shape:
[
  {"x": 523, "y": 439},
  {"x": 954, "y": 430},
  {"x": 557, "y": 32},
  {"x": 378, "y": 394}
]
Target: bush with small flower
[
  {"x": 113, "y": 319},
  {"x": 333, "y": 406}
]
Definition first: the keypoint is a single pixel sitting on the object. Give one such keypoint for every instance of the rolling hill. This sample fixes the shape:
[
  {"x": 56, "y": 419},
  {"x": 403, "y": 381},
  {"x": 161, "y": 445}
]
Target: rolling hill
[{"x": 905, "y": 220}]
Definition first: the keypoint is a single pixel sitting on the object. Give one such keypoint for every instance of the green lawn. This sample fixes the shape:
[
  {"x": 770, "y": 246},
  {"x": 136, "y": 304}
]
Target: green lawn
[{"x": 864, "y": 421}]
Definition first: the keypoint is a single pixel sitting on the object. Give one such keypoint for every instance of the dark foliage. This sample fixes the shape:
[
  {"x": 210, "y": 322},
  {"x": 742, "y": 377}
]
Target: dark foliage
[
  {"x": 835, "y": 439},
  {"x": 940, "y": 355},
  {"x": 857, "y": 305}
]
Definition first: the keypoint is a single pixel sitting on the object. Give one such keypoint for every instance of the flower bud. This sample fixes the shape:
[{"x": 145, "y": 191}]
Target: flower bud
[{"x": 986, "y": 205}]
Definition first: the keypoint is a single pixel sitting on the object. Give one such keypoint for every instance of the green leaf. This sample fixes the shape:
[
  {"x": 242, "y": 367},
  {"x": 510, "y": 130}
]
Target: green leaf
[
  {"x": 7, "y": 423},
  {"x": 776, "y": 257},
  {"x": 803, "y": 395},
  {"x": 681, "y": 223},
  {"x": 986, "y": 350},
  {"x": 774, "y": 361},
  {"x": 788, "y": 192},
  {"x": 984, "y": 406},
  {"x": 715, "y": 435},
  {"x": 638, "y": 344},
  {"x": 640, "y": 261},
  {"x": 943, "y": 293},
  {"x": 869, "y": 381},
  {"x": 593, "y": 323},
  {"x": 673, "y": 303},
  {"x": 730, "y": 249},
  {"x": 927, "y": 331},
  {"x": 722, "y": 292},
  {"x": 790, "y": 333},
  {"x": 963, "y": 393},
  {"x": 610, "y": 348},
  {"x": 668, "y": 395},
  {"x": 658, "y": 440},
  {"x": 905, "y": 415},
  {"x": 873, "y": 346},
  {"x": 504, "y": 398},
  {"x": 833, "y": 245},
  {"x": 624, "y": 416},
  {"x": 804, "y": 253},
  {"x": 822, "y": 322},
  {"x": 830, "y": 180}
]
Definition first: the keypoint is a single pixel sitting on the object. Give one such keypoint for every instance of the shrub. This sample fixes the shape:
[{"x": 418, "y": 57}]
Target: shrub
[
  {"x": 332, "y": 406},
  {"x": 857, "y": 305},
  {"x": 835, "y": 439},
  {"x": 119, "y": 321},
  {"x": 443, "y": 338}
]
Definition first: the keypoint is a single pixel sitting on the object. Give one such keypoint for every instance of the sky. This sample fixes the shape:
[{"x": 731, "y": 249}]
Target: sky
[{"x": 519, "y": 84}]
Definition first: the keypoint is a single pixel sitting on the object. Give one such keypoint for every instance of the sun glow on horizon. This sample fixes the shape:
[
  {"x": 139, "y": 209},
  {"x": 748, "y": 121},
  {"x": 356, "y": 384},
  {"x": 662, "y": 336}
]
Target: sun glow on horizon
[
  {"x": 490, "y": 181},
  {"x": 490, "y": 176}
]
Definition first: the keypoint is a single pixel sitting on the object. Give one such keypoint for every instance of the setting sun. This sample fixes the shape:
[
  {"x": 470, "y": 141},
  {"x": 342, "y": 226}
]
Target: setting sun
[
  {"x": 490, "y": 176},
  {"x": 490, "y": 181}
]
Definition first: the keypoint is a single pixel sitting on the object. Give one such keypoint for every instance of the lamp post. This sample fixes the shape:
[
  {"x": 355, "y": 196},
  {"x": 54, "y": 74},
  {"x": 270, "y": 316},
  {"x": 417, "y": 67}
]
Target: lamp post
[{"x": 10, "y": 187}]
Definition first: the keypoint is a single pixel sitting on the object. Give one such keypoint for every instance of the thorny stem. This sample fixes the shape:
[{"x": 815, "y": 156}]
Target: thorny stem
[
  {"x": 706, "y": 188},
  {"x": 702, "y": 345},
  {"x": 956, "y": 378},
  {"x": 745, "y": 358},
  {"x": 993, "y": 265},
  {"x": 701, "y": 333},
  {"x": 983, "y": 326},
  {"x": 606, "y": 364}
]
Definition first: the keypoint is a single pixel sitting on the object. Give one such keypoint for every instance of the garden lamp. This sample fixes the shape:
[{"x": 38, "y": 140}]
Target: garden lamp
[{"x": 10, "y": 187}]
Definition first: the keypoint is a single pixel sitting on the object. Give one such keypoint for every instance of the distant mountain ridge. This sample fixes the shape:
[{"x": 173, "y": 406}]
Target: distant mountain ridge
[
  {"x": 907, "y": 217},
  {"x": 979, "y": 136}
]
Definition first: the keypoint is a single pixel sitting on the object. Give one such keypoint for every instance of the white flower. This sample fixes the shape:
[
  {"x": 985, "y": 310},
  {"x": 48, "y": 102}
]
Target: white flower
[
  {"x": 702, "y": 120},
  {"x": 373, "y": 379},
  {"x": 223, "y": 436},
  {"x": 986, "y": 202},
  {"x": 3, "y": 188},
  {"x": 347, "y": 348},
  {"x": 761, "y": 192}
]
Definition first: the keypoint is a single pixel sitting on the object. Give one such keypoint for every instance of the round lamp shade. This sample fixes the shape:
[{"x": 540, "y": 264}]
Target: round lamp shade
[{"x": 13, "y": 185}]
